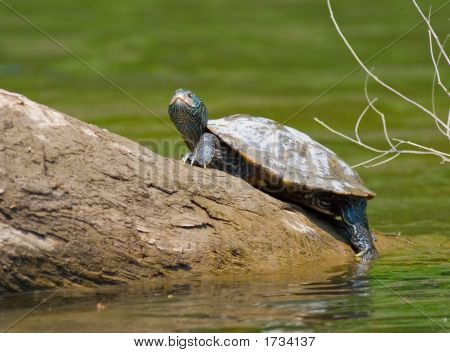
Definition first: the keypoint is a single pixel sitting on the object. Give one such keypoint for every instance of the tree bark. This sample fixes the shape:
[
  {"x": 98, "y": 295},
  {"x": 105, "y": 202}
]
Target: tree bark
[{"x": 82, "y": 206}]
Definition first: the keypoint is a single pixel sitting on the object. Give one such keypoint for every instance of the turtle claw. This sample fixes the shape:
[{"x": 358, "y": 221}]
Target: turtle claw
[
  {"x": 200, "y": 162},
  {"x": 366, "y": 255},
  {"x": 360, "y": 255},
  {"x": 187, "y": 157},
  {"x": 191, "y": 158}
]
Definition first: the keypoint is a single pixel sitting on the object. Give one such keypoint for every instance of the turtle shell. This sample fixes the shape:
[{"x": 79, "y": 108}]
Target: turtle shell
[{"x": 288, "y": 154}]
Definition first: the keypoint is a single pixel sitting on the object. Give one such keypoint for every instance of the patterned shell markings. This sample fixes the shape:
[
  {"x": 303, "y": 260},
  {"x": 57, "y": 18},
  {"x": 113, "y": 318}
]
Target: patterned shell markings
[{"x": 284, "y": 151}]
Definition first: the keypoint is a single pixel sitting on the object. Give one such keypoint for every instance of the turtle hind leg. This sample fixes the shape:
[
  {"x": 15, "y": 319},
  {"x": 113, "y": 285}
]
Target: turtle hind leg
[
  {"x": 353, "y": 213},
  {"x": 366, "y": 222}
]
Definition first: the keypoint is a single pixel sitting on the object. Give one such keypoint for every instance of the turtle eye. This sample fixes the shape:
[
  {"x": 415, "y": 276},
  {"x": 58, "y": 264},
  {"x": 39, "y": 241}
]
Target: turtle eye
[{"x": 190, "y": 94}]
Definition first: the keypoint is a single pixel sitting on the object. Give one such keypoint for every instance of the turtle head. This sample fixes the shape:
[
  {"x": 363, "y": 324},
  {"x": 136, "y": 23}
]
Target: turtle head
[{"x": 189, "y": 115}]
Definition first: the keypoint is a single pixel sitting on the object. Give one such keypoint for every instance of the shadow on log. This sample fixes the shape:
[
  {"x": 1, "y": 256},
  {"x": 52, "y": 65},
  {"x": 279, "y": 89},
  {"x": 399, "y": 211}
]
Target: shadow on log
[{"x": 81, "y": 206}]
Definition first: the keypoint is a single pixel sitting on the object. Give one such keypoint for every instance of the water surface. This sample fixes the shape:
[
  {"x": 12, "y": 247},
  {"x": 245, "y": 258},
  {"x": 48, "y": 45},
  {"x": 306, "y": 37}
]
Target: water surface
[{"x": 407, "y": 291}]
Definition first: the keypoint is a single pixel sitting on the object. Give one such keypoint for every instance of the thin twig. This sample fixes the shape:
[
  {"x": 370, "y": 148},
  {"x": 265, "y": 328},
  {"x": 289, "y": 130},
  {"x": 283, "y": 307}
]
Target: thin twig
[
  {"x": 433, "y": 33},
  {"x": 394, "y": 151},
  {"x": 361, "y": 116},
  {"x": 383, "y": 162},
  {"x": 375, "y": 158},
  {"x": 448, "y": 124},
  {"x": 436, "y": 68},
  {"x": 427, "y": 150},
  {"x": 356, "y": 69},
  {"x": 436, "y": 78},
  {"x": 382, "y": 83},
  {"x": 383, "y": 119},
  {"x": 445, "y": 157},
  {"x": 373, "y": 149}
]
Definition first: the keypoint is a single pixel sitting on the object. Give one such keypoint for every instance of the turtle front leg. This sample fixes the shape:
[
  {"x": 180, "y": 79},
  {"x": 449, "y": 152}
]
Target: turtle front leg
[{"x": 208, "y": 148}]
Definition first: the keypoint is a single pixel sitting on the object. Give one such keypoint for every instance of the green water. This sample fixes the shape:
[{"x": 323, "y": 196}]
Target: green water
[
  {"x": 404, "y": 292},
  {"x": 269, "y": 58}
]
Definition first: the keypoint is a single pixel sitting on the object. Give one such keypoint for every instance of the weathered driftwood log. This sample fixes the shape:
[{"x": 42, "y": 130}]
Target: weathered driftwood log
[{"x": 82, "y": 206}]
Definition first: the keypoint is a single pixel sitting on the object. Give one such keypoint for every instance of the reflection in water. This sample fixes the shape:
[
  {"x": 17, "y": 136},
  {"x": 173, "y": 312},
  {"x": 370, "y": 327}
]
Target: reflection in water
[
  {"x": 349, "y": 286},
  {"x": 345, "y": 298},
  {"x": 357, "y": 278}
]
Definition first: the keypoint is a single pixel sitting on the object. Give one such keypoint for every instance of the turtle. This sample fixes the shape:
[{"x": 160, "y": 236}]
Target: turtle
[{"x": 278, "y": 160}]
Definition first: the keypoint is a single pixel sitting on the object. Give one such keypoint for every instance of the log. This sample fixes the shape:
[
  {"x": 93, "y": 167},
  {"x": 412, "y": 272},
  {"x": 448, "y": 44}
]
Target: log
[{"x": 80, "y": 206}]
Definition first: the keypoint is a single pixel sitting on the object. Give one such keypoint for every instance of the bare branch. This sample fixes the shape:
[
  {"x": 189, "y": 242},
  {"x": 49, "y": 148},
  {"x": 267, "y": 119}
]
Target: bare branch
[
  {"x": 373, "y": 149},
  {"x": 436, "y": 68},
  {"x": 445, "y": 157},
  {"x": 394, "y": 149},
  {"x": 437, "y": 80},
  {"x": 436, "y": 76},
  {"x": 431, "y": 30},
  {"x": 383, "y": 120},
  {"x": 427, "y": 150},
  {"x": 383, "y": 162},
  {"x": 376, "y": 158},
  {"x": 361, "y": 116},
  {"x": 382, "y": 83},
  {"x": 448, "y": 124}
]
